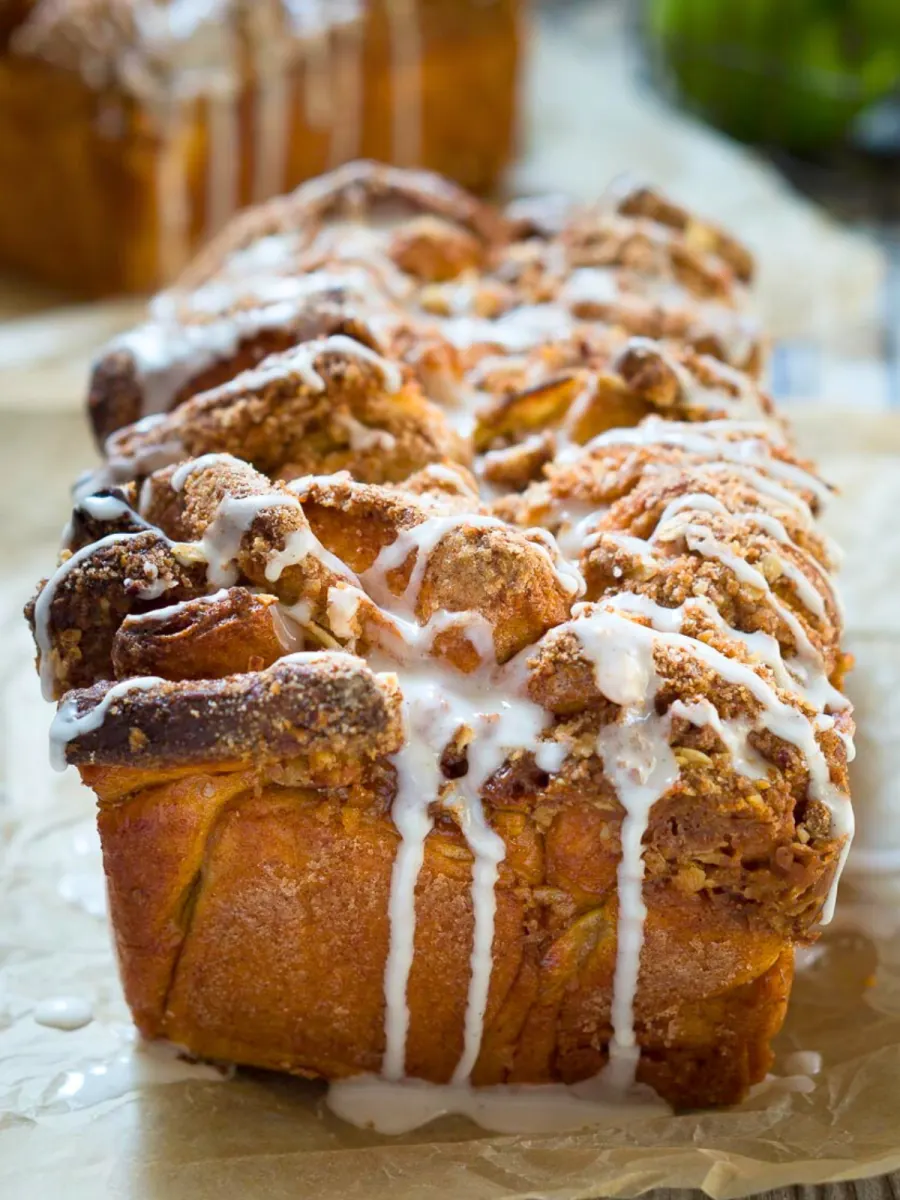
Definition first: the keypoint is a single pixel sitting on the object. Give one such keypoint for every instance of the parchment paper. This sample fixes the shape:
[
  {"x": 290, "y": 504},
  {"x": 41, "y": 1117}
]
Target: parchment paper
[{"x": 151, "y": 1128}]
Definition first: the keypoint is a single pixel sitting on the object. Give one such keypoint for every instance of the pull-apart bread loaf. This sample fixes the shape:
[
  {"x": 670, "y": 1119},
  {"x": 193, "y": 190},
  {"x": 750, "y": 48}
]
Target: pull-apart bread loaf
[
  {"x": 135, "y": 129},
  {"x": 451, "y": 645}
]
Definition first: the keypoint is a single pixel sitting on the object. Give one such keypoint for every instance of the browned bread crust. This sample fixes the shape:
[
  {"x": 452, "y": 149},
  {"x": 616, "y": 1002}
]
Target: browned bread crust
[
  {"x": 300, "y": 705},
  {"x": 203, "y": 942}
]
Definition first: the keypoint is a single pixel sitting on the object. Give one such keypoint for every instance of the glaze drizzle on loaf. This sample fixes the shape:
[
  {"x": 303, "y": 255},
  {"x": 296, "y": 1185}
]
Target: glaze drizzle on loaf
[{"x": 544, "y": 556}]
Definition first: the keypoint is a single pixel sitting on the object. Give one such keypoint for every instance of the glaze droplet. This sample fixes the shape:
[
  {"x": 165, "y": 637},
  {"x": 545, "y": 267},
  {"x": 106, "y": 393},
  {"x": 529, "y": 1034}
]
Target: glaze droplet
[{"x": 64, "y": 1012}]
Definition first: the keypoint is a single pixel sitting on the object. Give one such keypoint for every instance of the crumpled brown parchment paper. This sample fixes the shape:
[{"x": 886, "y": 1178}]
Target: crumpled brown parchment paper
[{"x": 88, "y": 1113}]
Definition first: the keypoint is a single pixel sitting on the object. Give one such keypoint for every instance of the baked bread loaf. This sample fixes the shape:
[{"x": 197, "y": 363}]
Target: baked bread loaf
[
  {"x": 452, "y": 648},
  {"x": 134, "y": 129}
]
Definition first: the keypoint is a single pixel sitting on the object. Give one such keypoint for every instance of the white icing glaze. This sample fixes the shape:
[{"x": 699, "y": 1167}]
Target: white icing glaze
[
  {"x": 575, "y": 520},
  {"x": 168, "y": 354},
  {"x": 736, "y": 332},
  {"x": 423, "y": 539},
  {"x": 308, "y": 21},
  {"x": 272, "y": 127},
  {"x": 198, "y": 39},
  {"x": 299, "y": 544},
  {"x": 807, "y": 661},
  {"x": 216, "y": 80},
  {"x": 363, "y": 437},
  {"x": 173, "y": 204},
  {"x": 639, "y": 762},
  {"x": 346, "y": 131},
  {"x": 437, "y": 703},
  {"x": 203, "y": 78},
  {"x": 320, "y": 100},
  {"x": 301, "y": 361},
  {"x": 635, "y": 751},
  {"x": 274, "y": 252},
  {"x": 520, "y": 329},
  {"x": 219, "y": 296},
  {"x": 172, "y": 610},
  {"x": 447, "y": 473},
  {"x": 64, "y": 1012},
  {"x": 121, "y": 468},
  {"x": 222, "y": 539},
  {"x": 223, "y": 137},
  {"x": 734, "y": 733},
  {"x": 100, "y": 508},
  {"x": 181, "y": 475},
  {"x": 419, "y": 782},
  {"x": 548, "y": 211},
  {"x": 591, "y": 285},
  {"x": 391, "y": 1108},
  {"x": 702, "y": 502},
  {"x": 803, "y": 1062},
  {"x": 702, "y": 396},
  {"x": 107, "y": 508},
  {"x": 750, "y": 448},
  {"x": 778, "y": 1085}
]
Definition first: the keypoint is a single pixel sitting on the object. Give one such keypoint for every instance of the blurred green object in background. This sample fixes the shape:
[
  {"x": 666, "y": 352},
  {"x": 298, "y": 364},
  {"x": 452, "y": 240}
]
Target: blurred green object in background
[{"x": 790, "y": 73}]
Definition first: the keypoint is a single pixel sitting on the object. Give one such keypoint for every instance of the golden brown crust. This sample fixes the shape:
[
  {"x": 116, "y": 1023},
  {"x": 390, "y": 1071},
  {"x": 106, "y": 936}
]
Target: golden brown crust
[
  {"x": 474, "y": 564},
  {"x": 187, "y": 503},
  {"x": 589, "y": 387},
  {"x": 713, "y": 991},
  {"x": 669, "y": 570},
  {"x": 229, "y": 633}
]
